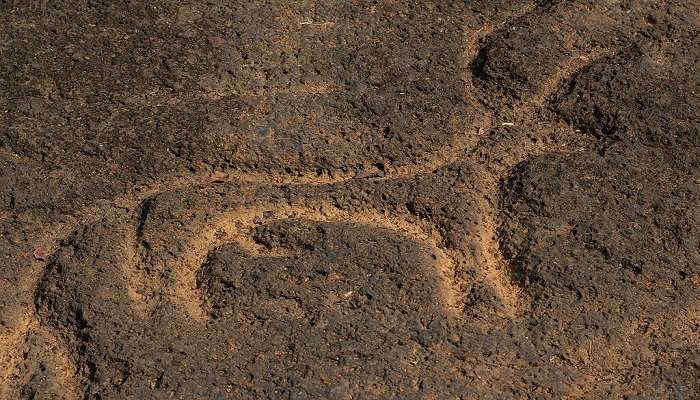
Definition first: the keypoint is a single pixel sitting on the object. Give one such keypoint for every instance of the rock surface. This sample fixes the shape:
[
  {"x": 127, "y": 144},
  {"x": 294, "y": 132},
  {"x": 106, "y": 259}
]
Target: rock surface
[{"x": 349, "y": 200}]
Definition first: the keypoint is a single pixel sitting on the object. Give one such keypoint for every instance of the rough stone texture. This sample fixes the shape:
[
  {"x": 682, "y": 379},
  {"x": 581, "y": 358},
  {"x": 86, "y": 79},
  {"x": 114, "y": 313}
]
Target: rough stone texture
[{"x": 349, "y": 200}]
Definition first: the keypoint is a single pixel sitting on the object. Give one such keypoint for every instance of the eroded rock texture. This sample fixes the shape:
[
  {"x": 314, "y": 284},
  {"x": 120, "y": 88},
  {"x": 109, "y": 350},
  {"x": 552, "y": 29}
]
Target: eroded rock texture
[{"x": 349, "y": 200}]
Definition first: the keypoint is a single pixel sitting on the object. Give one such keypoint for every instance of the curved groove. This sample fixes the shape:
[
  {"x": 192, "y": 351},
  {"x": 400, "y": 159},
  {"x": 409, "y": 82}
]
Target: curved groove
[
  {"x": 10, "y": 349},
  {"x": 573, "y": 44},
  {"x": 238, "y": 225},
  {"x": 56, "y": 364}
]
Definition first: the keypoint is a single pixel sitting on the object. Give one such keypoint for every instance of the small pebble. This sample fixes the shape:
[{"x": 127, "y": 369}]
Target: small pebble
[{"x": 41, "y": 253}]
